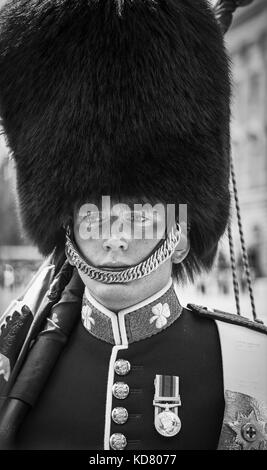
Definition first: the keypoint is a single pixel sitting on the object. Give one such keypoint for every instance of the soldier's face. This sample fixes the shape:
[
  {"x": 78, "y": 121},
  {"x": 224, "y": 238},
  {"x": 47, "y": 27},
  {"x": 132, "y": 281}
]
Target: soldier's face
[{"x": 120, "y": 238}]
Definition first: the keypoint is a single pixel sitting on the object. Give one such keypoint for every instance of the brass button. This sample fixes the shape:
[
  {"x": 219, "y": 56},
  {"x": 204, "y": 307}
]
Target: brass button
[
  {"x": 122, "y": 367},
  {"x": 120, "y": 390},
  {"x": 118, "y": 441},
  {"x": 119, "y": 415}
]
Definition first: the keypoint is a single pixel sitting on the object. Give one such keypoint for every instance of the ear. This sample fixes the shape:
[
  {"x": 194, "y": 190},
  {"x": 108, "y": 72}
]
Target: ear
[{"x": 183, "y": 246}]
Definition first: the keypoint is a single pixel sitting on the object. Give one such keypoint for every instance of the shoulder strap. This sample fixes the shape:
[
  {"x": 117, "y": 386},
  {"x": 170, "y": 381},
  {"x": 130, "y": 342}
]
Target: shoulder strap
[{"x": 228, "y": 318}]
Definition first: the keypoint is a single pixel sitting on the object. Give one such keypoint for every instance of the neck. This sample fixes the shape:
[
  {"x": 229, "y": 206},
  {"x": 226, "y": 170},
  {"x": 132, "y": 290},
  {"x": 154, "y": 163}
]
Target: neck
[
  {"x": 132, "y": 306},
  {"x": 140, "y": 321},
  {"x": 116, "y": 297}
]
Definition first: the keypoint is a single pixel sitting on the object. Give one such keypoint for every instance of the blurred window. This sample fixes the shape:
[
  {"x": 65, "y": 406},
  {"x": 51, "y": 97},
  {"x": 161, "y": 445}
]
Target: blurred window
[
  {"x": 254, "y": 93},
  {"x": 257, "y": 164}
]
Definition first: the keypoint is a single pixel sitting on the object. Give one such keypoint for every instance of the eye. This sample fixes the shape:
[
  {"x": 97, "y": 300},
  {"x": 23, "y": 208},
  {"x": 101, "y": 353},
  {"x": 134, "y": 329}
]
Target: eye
[
  {"x": 94, "y": 218},
  {"x": 140, "y": 217}
]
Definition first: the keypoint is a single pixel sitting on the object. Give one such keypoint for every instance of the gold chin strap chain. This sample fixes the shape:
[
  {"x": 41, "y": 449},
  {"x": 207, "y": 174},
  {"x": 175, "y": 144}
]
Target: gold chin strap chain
[{"x": 164, "y": 252}]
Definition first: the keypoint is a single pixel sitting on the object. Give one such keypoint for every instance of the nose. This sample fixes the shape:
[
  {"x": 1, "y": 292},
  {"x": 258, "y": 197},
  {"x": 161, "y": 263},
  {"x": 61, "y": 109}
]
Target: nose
[{"x": 115, "y": 244}]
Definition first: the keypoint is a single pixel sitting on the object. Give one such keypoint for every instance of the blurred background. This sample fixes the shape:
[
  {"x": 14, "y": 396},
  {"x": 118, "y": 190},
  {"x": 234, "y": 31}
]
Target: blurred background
[{"x": 247, "y": 44}]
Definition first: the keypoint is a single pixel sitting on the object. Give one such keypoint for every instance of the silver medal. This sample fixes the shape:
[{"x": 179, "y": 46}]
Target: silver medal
[
  {"x": 167, "y": 423},
  {"x": 166, "y": 402}
]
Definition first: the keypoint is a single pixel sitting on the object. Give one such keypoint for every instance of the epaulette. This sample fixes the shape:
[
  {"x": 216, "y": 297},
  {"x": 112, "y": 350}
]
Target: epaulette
[{"x": 228, "y": 318}]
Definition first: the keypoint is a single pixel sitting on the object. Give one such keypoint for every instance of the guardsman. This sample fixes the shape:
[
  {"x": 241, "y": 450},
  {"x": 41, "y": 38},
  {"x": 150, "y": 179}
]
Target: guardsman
[{"x": 117, "y": 115}]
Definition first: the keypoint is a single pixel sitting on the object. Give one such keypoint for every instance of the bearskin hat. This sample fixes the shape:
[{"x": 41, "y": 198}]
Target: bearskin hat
[{"x": 121, "y": 98}]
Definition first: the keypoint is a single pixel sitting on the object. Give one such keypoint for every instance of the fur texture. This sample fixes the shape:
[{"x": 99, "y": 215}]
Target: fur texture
[{"x": 97, "y": 103}]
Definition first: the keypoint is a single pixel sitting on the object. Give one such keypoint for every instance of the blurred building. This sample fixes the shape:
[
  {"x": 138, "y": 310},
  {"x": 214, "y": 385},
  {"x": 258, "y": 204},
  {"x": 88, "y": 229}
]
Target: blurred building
[
  {"x": 9, "y": 227},
  {"x": 247, "y": 42},
  {"x": 18, "y": 260}
]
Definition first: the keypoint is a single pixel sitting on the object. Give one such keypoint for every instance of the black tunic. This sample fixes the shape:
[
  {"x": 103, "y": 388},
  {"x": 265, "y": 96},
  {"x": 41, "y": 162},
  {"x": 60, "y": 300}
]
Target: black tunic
[{"x": 73, "y": 411}]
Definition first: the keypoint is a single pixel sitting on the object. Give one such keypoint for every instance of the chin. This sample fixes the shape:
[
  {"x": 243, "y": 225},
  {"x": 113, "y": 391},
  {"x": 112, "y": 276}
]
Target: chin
[
  {"x": 113, "y": 296},
  {"x": 117, "y": 297}
]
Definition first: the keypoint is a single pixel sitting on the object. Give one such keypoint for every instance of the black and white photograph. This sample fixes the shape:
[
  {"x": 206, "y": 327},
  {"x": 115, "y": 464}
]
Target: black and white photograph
[{"x": 133, "y": 228}]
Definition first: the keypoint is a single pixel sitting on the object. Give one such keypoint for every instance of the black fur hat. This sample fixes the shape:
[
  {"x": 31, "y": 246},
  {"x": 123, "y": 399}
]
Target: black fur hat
[{"x": 121, "y": 98}]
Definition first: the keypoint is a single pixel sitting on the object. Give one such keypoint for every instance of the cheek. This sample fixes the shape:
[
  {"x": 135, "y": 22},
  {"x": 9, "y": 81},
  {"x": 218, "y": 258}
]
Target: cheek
[
  {"x": 89, "y": 248},
  {"x": 143, "y": 246}
]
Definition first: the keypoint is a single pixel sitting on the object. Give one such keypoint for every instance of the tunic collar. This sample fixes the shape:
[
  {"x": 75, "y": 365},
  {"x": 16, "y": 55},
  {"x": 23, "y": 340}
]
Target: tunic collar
[{"x": 132, "y": 324}]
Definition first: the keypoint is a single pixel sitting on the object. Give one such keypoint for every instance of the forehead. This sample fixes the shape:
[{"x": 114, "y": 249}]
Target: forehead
[{"x": 107, "y": 203}]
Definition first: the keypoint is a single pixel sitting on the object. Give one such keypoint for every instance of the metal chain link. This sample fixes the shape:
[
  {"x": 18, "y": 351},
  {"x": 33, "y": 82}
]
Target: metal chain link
[{"x": 164, "y": 252}]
